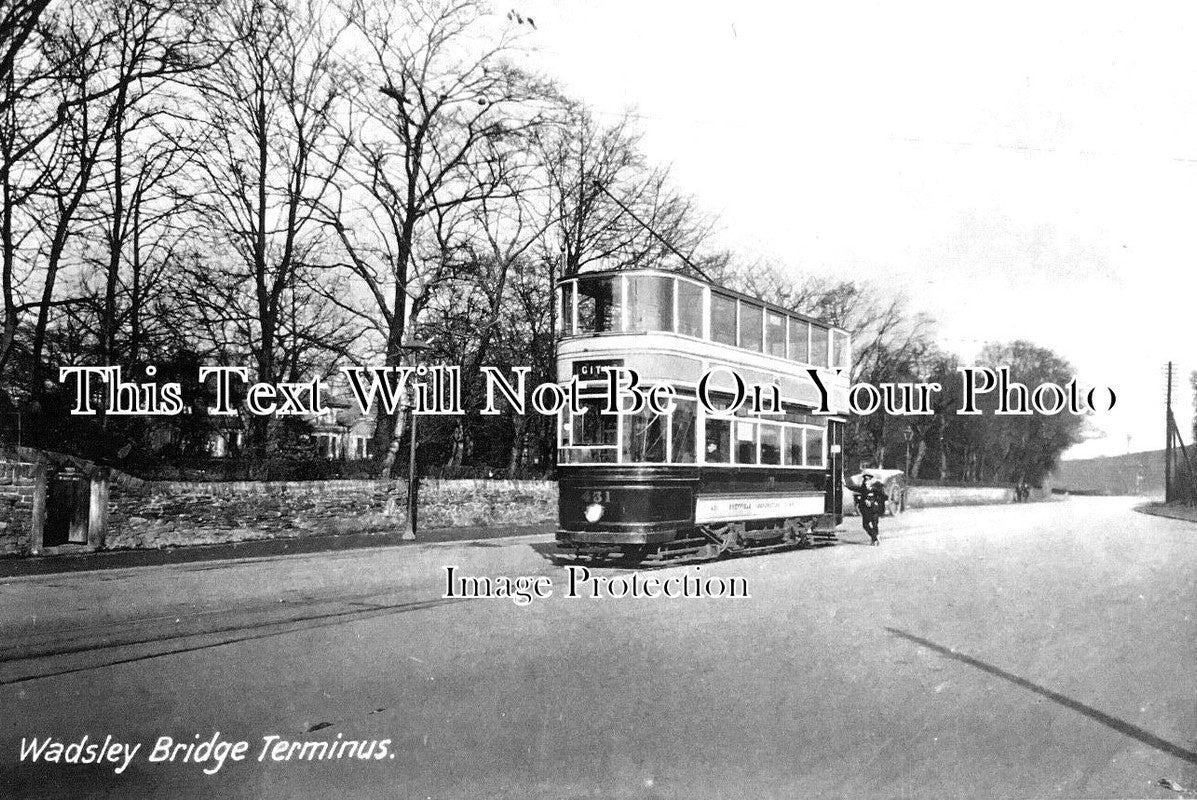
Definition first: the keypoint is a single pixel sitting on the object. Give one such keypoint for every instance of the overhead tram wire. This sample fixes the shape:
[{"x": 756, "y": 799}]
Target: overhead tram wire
[{"x": 599, "y": 185}]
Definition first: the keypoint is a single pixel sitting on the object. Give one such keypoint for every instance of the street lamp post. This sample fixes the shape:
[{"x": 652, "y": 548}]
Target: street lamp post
[
  {"x": 908, "y": 432},
  {"x": 413, "y": 482},
  {"x": 411, "y": 347}
]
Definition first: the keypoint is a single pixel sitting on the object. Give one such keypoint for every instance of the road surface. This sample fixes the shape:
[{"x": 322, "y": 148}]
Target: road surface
[{"x": 1044, "y": 650}]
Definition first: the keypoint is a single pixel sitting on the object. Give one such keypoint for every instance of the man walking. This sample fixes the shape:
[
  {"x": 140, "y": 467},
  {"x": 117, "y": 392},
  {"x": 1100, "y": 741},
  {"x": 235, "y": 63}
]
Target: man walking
[{"x": 870, "y": 500}]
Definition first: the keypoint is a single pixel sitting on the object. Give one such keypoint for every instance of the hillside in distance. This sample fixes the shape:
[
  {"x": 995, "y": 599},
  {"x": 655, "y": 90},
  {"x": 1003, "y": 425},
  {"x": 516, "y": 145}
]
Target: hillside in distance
[{"x": 1130, "y": 474}]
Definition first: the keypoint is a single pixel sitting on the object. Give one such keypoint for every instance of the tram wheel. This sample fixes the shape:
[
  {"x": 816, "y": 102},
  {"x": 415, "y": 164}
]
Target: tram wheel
[
  {"x": 796, "y": 533},
  {"x": 727, "y": 538}
]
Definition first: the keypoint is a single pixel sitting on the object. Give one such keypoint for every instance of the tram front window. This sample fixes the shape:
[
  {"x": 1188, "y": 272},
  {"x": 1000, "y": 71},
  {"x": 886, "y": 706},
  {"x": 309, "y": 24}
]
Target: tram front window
[
  {"x": 644, "y": 438},
  {"x": 682, "y": 432},
  {"x": 650, "y": 303},
  {"x": 599, "y": 303},
  {"x": 593, "y": 428},
  {"x": 689, "y": 309},
  {"x": 718, "y": 445}
]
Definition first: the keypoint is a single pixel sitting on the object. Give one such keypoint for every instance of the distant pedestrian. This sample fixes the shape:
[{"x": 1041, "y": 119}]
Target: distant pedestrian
[{"x": 870, "y": 501}]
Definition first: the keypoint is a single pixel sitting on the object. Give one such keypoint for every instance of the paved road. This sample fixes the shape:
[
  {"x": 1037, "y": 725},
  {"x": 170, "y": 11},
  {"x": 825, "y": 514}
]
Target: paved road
[{"x": 1016, "y": 651}]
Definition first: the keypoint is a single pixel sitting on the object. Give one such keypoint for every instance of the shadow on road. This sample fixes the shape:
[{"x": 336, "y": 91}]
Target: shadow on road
[
  {"x": 1123, "y": 727},
  {"x": 109, "y": 654},
  {"x": 554, "y": 555}
]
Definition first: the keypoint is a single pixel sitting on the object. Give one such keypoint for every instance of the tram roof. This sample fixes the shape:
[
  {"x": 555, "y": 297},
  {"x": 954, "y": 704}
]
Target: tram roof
[{"x": 610, "y": 273}]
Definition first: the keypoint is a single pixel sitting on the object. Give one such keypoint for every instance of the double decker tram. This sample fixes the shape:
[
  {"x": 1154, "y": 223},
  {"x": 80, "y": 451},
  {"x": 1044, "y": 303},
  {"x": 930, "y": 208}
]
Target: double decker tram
[{"x": 699, "y": 482}]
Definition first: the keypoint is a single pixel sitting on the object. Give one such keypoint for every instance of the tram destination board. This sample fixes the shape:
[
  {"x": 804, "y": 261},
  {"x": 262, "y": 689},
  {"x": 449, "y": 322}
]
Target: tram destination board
[{"x": 596, "y": 369}]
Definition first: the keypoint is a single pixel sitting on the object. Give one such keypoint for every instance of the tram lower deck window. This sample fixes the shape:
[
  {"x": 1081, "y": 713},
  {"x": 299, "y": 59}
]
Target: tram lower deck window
[
  {"x": 745, "y": 442},
  {"x": 682, "y": 432},
  {"x": 814, "y": 447},
  {"x": 793, "y": 451},
  {"x": 718, "y": 444},
  {"x": 770, "y": 444}
]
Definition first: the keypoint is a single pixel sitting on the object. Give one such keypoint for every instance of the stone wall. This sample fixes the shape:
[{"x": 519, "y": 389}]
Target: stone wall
[
  {"x": 466, "y": 503},
  {"x": 171, "y": 513},
  {"x": 18, "y": 488},
  {"x": 930, "y": 496},
  {"x": 151, "y": 514},
  {"x": 934, "y": 496},
  {"x": 167, "y": 514}
]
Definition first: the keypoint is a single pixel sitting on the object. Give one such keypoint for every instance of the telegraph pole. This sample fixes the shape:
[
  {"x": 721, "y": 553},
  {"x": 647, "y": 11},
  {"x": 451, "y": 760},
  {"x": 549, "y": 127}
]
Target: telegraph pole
[{"x": 1168, "y": 439}]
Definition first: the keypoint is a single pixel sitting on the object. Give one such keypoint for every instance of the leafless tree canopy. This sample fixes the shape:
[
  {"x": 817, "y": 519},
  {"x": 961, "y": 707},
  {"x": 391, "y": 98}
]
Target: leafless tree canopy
[{"x": 292, "y": 185}]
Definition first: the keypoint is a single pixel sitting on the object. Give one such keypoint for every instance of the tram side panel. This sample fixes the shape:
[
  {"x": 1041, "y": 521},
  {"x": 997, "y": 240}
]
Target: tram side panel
[
  {"x": 625, "y": 505},
  {"x": 647, "y": 505}
]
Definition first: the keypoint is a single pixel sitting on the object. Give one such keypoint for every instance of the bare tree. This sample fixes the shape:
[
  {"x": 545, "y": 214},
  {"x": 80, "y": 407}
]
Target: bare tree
[
  {"x": 434, "y": 109},
  {"x": 482, "y": 316},
  {"x": 17, "y": 22},
  {"x": 273, "y": 99},
  {"x": 596, "y": 175},
  {"x": 64, "y": 99},
  {"x": 36, "y": 106},
  {"x": 150, "y": 148}
]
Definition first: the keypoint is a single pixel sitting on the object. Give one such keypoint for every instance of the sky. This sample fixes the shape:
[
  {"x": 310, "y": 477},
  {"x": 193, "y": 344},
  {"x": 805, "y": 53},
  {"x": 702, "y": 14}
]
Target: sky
[{"x": 1019, "y": 171}]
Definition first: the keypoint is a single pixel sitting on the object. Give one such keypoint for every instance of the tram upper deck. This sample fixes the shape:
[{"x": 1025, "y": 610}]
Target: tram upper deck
[{"x": 671, "y": 328}]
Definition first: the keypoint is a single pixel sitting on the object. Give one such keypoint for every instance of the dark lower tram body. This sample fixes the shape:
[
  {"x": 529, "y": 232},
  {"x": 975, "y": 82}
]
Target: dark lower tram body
[{"x": 681, "y": 512}]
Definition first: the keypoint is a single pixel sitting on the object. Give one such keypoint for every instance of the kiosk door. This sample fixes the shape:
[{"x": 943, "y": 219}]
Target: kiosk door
[{"x": 68, "y": 501}]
